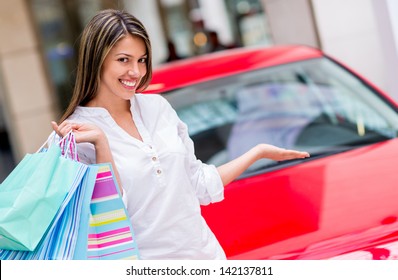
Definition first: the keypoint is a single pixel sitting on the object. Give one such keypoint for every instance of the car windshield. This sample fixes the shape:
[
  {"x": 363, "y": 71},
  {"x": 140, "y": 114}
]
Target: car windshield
[{"x": 312, "y": 105}]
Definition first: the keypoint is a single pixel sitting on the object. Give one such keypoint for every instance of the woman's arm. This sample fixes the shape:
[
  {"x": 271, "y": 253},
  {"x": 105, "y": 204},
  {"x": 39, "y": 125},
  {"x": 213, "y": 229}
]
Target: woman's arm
[
  {"x": 91, "y": 134},
  {"x": 231, "y": 170}
]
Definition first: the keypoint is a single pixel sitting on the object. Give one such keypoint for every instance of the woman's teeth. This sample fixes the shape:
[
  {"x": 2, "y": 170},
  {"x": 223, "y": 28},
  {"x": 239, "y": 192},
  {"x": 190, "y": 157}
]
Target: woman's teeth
[{"x": 129, "y": 84}]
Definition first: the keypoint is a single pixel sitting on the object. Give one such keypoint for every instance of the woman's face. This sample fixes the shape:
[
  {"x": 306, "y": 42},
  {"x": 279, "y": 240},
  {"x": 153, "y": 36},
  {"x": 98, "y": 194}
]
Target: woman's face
[{"x": 123, "y": 68}]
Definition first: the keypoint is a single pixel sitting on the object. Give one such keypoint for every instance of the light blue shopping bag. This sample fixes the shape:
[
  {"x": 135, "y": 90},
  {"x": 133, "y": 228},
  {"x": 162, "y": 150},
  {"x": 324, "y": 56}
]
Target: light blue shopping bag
[
  {"x": 91, "y": 223},
  {"x": 62, "y": 237},
  {"x": 32, "y": 194}
]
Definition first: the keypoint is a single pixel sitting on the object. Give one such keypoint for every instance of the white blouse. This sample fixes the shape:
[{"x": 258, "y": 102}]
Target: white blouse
[{"x": 164, "y": 184}]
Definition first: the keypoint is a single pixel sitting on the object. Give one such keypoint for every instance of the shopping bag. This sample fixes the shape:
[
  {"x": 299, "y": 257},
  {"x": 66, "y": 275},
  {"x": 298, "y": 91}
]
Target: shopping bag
[
  {"x": 92, "y": 223},
  {"x": 105, "y": 228},
  {"x": 32, "y": 194},
  {"x": 61, "y": 239}
]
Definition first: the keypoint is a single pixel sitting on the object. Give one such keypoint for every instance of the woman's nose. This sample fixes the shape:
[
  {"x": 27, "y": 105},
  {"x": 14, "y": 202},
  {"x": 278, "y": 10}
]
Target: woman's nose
[{"x": 134, "y": 71}]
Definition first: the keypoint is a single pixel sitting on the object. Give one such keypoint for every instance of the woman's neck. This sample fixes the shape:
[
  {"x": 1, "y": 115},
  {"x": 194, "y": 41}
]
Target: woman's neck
[{"x": 114, "y": 107}]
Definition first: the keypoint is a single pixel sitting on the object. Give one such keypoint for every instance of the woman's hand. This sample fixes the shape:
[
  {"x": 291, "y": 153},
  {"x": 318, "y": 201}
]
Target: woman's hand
[
  {"x": 231, "y": 170},
  {"x": 278, "y": 154},
  {"x": 83, "y": 132}
]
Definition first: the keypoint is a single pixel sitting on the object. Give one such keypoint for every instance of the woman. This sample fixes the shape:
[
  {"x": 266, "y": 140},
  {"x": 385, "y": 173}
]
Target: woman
[{"x": 163, "y": 183}]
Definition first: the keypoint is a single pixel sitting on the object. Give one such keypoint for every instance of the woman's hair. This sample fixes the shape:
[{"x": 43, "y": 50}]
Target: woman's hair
[{"x": 103, "y": 31}]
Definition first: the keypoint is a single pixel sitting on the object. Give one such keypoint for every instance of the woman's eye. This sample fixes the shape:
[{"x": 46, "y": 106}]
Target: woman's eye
[
  {"x": 123, "y": 59},
  {"x": 142, "y": 60}
]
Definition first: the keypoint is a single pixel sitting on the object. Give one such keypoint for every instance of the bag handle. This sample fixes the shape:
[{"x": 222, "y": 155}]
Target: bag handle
[
  {"x": 69, "y": 147},
  {"x": 67, "y": 144},
  {"x": 52, "y": 136}
]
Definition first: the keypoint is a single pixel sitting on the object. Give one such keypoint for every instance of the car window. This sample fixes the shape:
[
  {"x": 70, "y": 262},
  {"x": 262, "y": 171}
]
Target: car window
[{"x": 312, "y": 105}]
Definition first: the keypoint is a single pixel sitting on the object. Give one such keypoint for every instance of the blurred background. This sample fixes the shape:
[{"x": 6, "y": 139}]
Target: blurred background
[{"x": 39, "y": 40}]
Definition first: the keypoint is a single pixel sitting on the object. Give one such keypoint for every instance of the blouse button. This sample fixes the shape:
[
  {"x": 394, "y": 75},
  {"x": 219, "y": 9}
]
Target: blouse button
[
  {"x": 159, "y": 171},
  {"x": 154, "y": 158}
]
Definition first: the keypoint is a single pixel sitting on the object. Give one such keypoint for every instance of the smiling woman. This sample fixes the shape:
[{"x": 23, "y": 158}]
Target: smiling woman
[
  {"x": 148, "y": 145},
  {"x": 123, "y": 68}
]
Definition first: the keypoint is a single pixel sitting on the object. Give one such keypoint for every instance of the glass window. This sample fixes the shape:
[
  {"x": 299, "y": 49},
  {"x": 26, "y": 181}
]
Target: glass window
[
  {"x": 313, "y": 105},
  {"x": 57, "y": 41},
  {"x": 59, "y": 24},
  {"x": 249, "y": 22}
]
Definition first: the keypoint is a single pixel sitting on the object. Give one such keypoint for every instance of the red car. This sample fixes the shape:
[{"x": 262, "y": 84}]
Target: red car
[{"x": 342, "y": 202}]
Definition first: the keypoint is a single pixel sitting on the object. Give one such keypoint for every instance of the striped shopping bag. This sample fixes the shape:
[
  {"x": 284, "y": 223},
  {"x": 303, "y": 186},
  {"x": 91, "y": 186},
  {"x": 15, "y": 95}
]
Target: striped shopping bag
[{"x": 109, "y": 234}]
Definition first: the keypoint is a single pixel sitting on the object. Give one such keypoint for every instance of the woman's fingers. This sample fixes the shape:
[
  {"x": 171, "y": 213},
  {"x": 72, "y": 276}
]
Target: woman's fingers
[
  {"x": 64, "y": 128},
  {"x": 54, "y": 125},
  {"x": 83, "y": 132},
  {"x": 291, "y": 154},
  {"x": 297, "y": 154},
  {"x": 56, "y": 128},
  {"x": 279, "y": 154}
]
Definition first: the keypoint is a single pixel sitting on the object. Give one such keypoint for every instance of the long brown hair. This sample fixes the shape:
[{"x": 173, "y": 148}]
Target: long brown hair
[{"x": 103, "y": 31}]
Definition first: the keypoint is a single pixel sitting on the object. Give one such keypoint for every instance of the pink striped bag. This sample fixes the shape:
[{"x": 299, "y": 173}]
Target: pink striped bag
[{"x": 109, "y": 234}]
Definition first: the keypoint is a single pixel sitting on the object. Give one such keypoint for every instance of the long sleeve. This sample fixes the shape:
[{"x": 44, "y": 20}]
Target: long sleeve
[{"x": 204, "y": 177}]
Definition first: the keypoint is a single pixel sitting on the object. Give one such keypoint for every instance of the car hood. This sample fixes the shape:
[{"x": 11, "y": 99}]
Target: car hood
[{"x": 337, "y": 206}]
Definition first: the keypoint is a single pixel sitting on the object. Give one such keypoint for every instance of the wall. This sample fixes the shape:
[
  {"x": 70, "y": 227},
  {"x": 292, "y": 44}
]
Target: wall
[
  {"x": 386, "y": 12},
  {"x": 291, "y": 22},
  {"x": 215, "y": 18},
  {"x": 348, "y": 31},
  {"x": 147, "y": 12},
  {"x": 25, "y": 90}
]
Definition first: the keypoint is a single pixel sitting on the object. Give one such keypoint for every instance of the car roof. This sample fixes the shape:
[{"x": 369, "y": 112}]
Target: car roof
[{"x": 207, "y": 67}]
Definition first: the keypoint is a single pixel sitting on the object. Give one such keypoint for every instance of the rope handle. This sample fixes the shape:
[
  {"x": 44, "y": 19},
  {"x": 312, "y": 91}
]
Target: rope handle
[
  {"x": 69, "y": 147},
  {"x": 67, "y": 144}
]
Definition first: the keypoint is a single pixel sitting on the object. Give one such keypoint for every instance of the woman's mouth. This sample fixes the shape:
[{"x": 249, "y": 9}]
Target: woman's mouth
[{"x": 128, "y": 84}]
